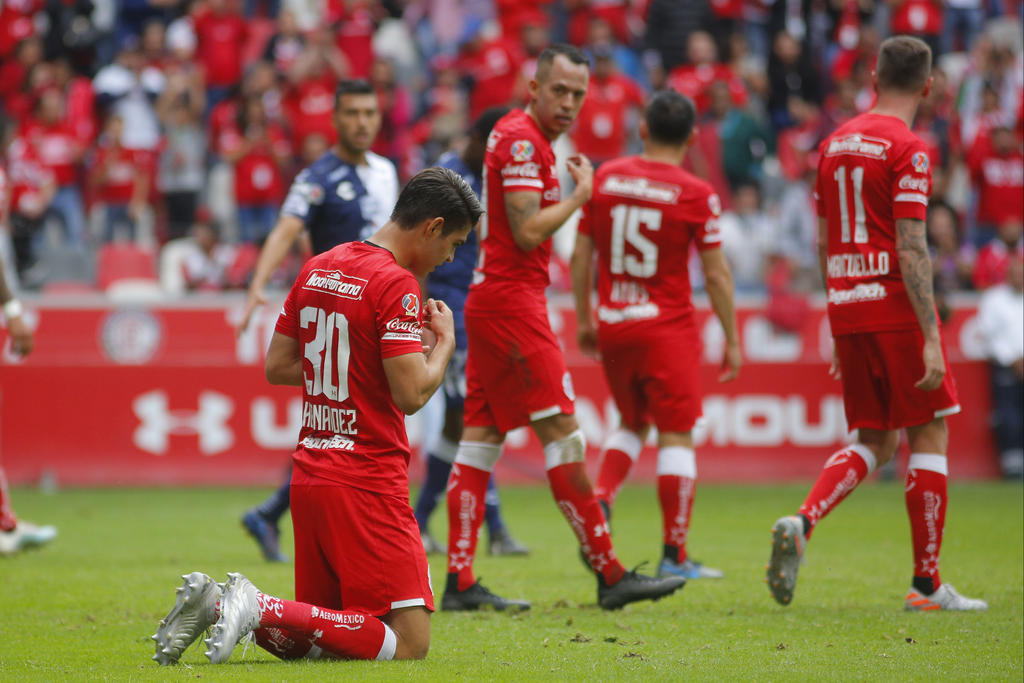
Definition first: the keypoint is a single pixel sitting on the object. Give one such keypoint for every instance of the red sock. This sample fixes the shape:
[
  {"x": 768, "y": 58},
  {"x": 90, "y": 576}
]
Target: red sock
[
  {"x": 615, "y": 466},
  {"x": 925, "y": 496},
  {"x": 340, "y": 633},
  {"x": 7, "y": 519},
  {"x": 843, "y": 471},
  {"x": 575, "y": 498},
  {"x": 676, "y": 494},
  {"x": 621, "y": 450},
  {"x": 282, "y": 643},
  {"x": 467, "y": 487}
]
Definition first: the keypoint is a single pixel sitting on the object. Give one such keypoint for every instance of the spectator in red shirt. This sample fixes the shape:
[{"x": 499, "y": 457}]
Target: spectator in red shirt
[
  {"x": 702, "y": 69},
  {"x": 355, "y": 23},
  {"x": 260, "y": 152},
  {"x": 16, "y": 24},
  {"x": 919, "y": 18},
  {"x": 221, "y": 33},
  {"x": 994, "y": 257},
  {"x": 309, "y": 102},
  {"x": 57, "y": 147},
  {"x": 491, "y": 67},
  {"x": 120, "y": 180},
  {"x": 80, "y": 110},
  {"x": 32, "y": 188},
  {"x": 996, "y": 164},
  {"x": 600, "y": 131}
]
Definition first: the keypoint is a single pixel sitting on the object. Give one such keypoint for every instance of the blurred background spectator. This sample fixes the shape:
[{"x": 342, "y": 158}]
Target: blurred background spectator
[
  {"x": 1001, "y": 318},
  {"x": 126, "y": 117}
]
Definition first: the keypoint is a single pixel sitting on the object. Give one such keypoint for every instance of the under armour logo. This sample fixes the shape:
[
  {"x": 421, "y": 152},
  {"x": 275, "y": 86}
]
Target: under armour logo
[{"x": 209, "y": 422}]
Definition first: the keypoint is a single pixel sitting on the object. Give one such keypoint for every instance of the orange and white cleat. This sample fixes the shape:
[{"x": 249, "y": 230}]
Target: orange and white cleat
[{"x": 944, "y": 598}]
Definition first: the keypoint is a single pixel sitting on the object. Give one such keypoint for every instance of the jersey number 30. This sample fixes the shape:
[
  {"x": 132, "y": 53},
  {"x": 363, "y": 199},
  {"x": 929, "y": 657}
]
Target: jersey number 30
[
  {"x": 860, "y": 227},
  {"x": 327, "y": 353},
  {"x": 626, "y": 223}
]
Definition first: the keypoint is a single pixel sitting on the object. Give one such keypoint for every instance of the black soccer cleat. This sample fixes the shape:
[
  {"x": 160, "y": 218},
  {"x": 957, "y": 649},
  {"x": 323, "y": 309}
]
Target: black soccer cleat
[
  {"x": 477, "y": 597},
  {"x": 633, "y": 587}
]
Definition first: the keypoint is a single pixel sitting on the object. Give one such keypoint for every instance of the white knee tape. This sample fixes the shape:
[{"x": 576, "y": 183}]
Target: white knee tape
[
  {"x": 572, "y": 448},
  {"x": 445, "y": 449},
  {"x": 678, "y": 461},
  {"x": 626, "y": 442},
  {"x": 935, "y": 462},
  {"x": 477, "y": 454}
]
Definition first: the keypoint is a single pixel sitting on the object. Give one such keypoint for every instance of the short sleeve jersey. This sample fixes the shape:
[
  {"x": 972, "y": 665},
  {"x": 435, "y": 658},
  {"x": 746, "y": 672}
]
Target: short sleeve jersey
[
  {"x": 519, "y": 158},
  {"x": 872, "y": 172},
  {"x": 643, "y": 217},
  {"x": 339, "y": 202},
  {"x": 351, "y": 308}
]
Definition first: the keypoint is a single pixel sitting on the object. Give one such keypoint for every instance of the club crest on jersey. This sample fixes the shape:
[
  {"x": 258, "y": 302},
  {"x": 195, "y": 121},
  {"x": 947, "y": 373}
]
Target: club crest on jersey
[
  {"x": 920, "y": 162},
  {"x": 346, "y": 191},
  {"x": 715, "y": 205},
  {"x": 336, "y": 283},
  {"x": 411, "y": 304},
  {"x": 522, "y": 150}
]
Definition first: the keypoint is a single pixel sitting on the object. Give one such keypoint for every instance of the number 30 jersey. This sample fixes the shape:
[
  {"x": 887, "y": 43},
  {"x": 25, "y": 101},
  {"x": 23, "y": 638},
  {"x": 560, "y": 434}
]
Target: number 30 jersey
[
  {"x": 642, "y": 218},
  {"x": 351, "y": 308},
  {"x": 872, "y": 171}
]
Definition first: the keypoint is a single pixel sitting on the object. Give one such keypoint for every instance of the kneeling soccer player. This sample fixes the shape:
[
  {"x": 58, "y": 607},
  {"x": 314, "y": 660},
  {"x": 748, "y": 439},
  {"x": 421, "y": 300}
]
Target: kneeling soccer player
[{"x": 350, "y": 335}]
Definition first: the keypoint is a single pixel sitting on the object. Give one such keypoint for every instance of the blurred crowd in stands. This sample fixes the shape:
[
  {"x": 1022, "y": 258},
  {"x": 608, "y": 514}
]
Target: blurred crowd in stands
[{"x": 155, "y": 139}]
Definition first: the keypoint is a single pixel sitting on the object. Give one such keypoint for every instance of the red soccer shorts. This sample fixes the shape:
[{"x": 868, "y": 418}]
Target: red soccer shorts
[
  {"x": 655, "y": 380},
  {"x": 515, "y": 373},
  {"x": 357, "y": 550},
  {"x": 879, "y": 372}
]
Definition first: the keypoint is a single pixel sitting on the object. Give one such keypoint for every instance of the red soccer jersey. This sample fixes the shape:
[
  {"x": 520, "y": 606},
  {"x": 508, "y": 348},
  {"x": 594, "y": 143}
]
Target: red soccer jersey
[
  {"x": 351, "y": 308},
  {"x": 220, "y": 41},
  {"x": 999, "y": 179},
  {"x": 518, "y": 159},
  {"x": 56, "y": 147},
  {"x": 493, "y": 69},
  {"x": 693, "y": 80},
  {"x": 600, "y": 130},
  {"x": 872, "y": 172},
  {"x": 643, "y": 217},
  {"x": 123, "y": 169},
  {"x": 310, "y": 107}
]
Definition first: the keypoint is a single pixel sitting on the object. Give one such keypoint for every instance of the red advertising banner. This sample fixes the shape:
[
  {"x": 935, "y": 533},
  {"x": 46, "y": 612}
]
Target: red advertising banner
[{"x": 165, "y": 394}]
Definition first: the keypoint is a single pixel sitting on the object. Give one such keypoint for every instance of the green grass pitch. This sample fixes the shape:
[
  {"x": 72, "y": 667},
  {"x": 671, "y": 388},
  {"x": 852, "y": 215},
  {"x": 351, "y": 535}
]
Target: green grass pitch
[{"x": 83, "y": 609}]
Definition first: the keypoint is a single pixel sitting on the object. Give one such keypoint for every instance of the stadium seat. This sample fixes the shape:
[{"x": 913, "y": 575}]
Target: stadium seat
[
  {"x": 124, "y": 262},
  {"x": 60, "y": 267}
]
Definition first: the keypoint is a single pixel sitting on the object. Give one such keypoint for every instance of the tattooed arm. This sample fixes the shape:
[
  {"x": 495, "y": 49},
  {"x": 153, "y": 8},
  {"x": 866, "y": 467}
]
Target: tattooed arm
[
  {"x": 532, "y": 226},
  {"x": 916, "y": 267}
]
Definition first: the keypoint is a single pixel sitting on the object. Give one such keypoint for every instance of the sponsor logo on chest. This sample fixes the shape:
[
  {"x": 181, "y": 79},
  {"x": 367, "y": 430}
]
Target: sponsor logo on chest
[{"x": 336, "y": 283}]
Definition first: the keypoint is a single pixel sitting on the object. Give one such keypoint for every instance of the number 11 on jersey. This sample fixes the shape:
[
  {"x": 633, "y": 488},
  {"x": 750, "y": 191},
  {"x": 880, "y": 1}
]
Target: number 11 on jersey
[{"x": 860, "y": 227}]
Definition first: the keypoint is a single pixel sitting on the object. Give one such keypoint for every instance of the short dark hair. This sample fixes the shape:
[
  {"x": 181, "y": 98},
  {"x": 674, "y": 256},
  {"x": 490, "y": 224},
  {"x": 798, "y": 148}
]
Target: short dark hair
[
  {"x": 670, "y": 117},
  {"x": 354, "y": 86},
  {"x": 904, "y": 64},
  {"x": 481, "y": 128},
  {"x": 437, "y": 192},
  {"x": 547, "y": 58}
]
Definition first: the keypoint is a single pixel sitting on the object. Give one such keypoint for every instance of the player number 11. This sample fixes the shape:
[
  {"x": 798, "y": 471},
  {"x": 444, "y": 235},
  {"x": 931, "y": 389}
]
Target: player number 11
[
  {"x": 860, "y": 227},
  {"x": 325, "y": 353}
]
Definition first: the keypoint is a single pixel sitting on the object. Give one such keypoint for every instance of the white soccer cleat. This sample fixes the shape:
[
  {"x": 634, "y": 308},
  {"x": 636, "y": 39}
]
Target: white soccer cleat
[
  {"x": 944, "y": 598},
  {"x": 239, "y": 616},
  {"x": 788, "y": 543},
  {"x": 25, "y": 535},
  {"x": 194, "y": 611}
]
